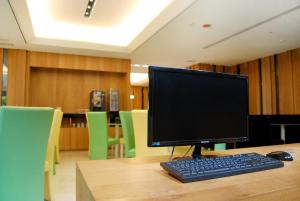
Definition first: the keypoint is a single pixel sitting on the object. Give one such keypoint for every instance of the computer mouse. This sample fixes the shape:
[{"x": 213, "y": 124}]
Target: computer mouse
[{"x": 280, "y": 155}]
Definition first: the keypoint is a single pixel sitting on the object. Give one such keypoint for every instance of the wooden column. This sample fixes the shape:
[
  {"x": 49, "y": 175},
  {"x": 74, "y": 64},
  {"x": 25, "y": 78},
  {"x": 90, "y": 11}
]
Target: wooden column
[
  {"x": 252, "y": 70},
  {"x": 16, "y": 81},
  {"x": 285, "y": 83},
  {"x": 137, "y": 101},
  {"x": 145, "y": 98},
  {"x": 230, "y": 69},
  {"x": 219, "y": 69},
  {"x": 296, "y": 79},
  {"x": 268, "y": 85}
]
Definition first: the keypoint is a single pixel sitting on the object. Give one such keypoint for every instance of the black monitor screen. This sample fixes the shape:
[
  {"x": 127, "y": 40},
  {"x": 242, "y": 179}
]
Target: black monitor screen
[{"x": 188, "y": 107}]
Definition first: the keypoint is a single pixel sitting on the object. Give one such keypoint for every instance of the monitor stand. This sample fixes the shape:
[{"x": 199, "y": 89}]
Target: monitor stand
[{"x": 197, "y": 153}]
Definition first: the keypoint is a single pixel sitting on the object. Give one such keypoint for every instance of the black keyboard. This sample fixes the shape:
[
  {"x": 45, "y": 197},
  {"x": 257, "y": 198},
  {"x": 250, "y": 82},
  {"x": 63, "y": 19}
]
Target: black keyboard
[{"x": 209, "y": 168}]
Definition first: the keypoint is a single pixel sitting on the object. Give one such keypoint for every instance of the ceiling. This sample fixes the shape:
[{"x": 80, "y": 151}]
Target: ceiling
[{"x": 172, "y": 36}]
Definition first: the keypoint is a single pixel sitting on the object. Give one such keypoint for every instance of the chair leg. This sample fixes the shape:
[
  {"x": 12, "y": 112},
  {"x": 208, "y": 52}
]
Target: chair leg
[
  {"x": 57, "y": 157},
  {"x": 116, "y": 150},
  {"x": 112, "y": 149},
  {"x": 48, "y": 186},
  {"x": 121, "y": 150}
]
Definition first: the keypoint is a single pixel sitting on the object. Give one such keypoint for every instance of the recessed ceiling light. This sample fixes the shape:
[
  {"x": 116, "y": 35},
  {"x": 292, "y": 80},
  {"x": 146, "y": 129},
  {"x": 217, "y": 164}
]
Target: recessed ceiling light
[{"x": 206, "y": 25}]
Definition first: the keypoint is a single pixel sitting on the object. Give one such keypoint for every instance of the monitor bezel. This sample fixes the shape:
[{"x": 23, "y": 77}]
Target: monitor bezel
[{"x": 151, "y": 143}]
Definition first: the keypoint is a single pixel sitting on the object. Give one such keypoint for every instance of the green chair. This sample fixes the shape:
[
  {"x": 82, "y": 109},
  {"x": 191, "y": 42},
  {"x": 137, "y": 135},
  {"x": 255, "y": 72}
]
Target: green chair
[
  {"x": 128, "y": 133},
  {"x": 220, "y": 146},
  {"x": 24, "y": 136},
  {"x": 98, "y": 135}
]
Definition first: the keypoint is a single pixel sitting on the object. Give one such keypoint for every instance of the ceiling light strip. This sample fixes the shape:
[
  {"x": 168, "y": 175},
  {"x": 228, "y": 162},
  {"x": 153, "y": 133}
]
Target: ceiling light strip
[{"x": 89, "y": 8}]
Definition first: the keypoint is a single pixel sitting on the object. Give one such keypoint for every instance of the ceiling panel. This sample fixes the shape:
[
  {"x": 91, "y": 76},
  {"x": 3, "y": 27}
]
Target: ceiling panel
[
  {"x": 10, "y": 35},
  {"x": 240, "y": 27}
]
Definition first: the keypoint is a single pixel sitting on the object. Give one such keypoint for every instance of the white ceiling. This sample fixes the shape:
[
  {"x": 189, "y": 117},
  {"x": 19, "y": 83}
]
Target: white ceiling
[{"x": 241, "y": 30}]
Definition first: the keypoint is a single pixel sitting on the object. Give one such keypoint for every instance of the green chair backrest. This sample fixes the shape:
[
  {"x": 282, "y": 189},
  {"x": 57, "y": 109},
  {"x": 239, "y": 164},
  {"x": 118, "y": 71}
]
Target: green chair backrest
[
  {"x": 24, "y": 136},
  {"x": 128, "y": 133},
  {"x": 98, "y": 135},
  {"x": 220, "y": 146}
]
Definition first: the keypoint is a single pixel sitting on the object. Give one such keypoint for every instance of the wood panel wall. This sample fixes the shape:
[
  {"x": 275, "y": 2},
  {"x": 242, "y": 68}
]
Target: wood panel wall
[
  {"x": 51, "y": 70},
  {"x": 67, "y": 61},
  {"x": 286, "y": 85},
  {"x": 252, "y": 70},
  {"x": 274, "y": 82},
  {"x": 145, "y": 98},
  {"x": 296, "y": 79},
  {"x": 69, "y": 89},
  {"x": 230, "y": 69},
  {"x": 1, "y": 67},
  {"x": 268, "y": 80},
  {"x": 200, "y": 66},
  {"x": 16, "y": 80},
  {"x": 140, "y": 100}
]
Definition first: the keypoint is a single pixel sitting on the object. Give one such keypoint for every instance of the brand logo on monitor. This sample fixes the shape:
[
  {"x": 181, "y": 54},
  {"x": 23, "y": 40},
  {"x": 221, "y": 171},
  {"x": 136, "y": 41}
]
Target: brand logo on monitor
[{"x": 156, "y": 143}]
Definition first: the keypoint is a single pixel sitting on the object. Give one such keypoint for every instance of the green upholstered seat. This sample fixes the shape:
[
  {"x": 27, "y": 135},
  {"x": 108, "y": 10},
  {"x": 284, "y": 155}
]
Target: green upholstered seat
[
  {"x": 98, "y": 135},
  {"x": 128, "y": 133},
  {"x": 24, "y": 136}
]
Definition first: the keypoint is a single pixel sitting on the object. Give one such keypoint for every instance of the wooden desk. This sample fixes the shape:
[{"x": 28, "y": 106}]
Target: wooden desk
[{"x": 143, "y": 179}]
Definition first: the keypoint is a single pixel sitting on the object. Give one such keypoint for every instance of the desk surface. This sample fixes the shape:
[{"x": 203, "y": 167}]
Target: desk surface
[{"x": 144, "y": 179}]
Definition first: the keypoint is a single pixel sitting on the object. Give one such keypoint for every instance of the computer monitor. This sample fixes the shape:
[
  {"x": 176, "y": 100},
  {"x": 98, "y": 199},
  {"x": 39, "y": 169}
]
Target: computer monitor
[{"x": 189, "y": 107}]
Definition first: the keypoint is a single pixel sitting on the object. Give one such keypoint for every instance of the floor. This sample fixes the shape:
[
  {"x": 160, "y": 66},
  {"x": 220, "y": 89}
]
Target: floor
[{"x": 65, "y": 178}]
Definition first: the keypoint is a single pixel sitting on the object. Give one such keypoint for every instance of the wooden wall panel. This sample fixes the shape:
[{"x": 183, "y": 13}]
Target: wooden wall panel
[
  {"x": 268, "y": 86},
  {"x": 65, "y": 139},
  {"x": 145, "y": 98},
  {"x": 220, "y": 69},
  {"x": 70, "y": 89},
  {"x": 252, "y": 70},
  {"x": 230, "y": 69},
  {"x": 16, "y": 80},
  {"x": 206, "y": 67},
  {"x": 136, "y": 103},
  {"x": 65, "y": 61},
  {"x": 1, "y": 69},
  {"x": 296, "y": 79},
  {"x": 285, "y": 83}
]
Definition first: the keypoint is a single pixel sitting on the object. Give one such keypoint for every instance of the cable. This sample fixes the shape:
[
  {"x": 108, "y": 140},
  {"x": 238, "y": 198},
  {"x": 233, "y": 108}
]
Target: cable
[
  {"x": 171, "y": 156},
  {"x": 188, "y": 151}
]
